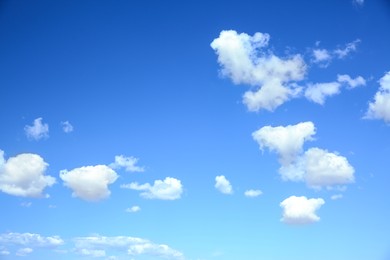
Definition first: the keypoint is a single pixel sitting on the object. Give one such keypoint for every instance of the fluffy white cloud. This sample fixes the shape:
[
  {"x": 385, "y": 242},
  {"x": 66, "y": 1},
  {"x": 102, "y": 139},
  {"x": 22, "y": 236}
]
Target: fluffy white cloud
[
  {"x": 90, "y": 182},
  {"x": 67, "y": 127},
  {"x": 133, "y": 209},
  {"x": 30, "y": 240},
  {"x": 336, "y": 196},
  {"x": 350, "y": 47},
  {"x": 244, "y": 59},
  {"x": 352, "y": 83},
  {"x": 321, "y": 55},
  {"x": 319, "y": 91},
  {"x": 38, "y": 130},
  {"x": 128, "y": 163},
  {"x": 253, "y": 193},
  {"x": 24, "y": 251},
  {"x": 287, "y": 141},
  {"x": 168, "y": 189},
  {"x": 131, "y": 245},
  {"x": 24, "y": 175},
  {"x": 380, "y": 107},
  {"x": 223, "y": 185},
  {"x": 300, "y": 210}
]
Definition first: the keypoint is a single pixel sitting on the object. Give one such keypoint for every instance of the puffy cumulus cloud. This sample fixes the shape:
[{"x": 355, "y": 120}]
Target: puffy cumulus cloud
[
  {"x": 319, "y": 91},
  {"x": 352, "y": 83},
  {"x": 37, "y": 130},
  {"x": 128, "y": 163},
  {"x": 321, "y": 55},
  {"x": 168, "y": 189},
  {"x": 24, "y": 175},
  {"x": 133, "y": 209},
  {"x": 379, "y": 108},
  {"x": 67, "y": 127},
  {"x": 223, "y": 185},
  {"x": 30, "y": 240},
  {"x": 245, "y": 60},
  {"x": 300, "y": 210},
  {"x": 89, "y": 183},
  {"x": 24, "y": 251},
  {"x": 287, "y": 141},
  {"x": 133, "y": 246},
  {"x": 253, "y": 193}
]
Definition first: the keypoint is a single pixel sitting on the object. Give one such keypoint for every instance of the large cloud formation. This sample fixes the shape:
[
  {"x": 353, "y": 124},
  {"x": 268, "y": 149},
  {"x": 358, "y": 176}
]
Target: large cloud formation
[
  {"x": 24, "y": 175},
  {"x": 316, "y": 167},
  {"x": 89, "y": 183},
  {"x": 244, "y": 59},
  {"x": 379, "y": 108},
  {"x": 300, "y": 210}
]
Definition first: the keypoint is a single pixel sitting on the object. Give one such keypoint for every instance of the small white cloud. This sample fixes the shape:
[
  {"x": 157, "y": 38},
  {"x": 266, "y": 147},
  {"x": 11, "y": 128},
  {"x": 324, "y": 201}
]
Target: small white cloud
[
  {"x": 246, "y": 60},
  {"x": 89, "y": 183},
  {"x": 380, "y": 107},
  {"x": 352, "y": 83},
  {"x": 24, "y": 175},
  {"x": 223, "y": 185},
  {"x": 300, "y": 210},
  {"x": 133, "y": 209},
  {"x": 128, "y": 163},
  {"x": 67, "y": 127},
  {"x": 253, "y": 193},
  {"x": 319, "y": 91},
  {"x": 92, "y": 252},
  {"x": 321, "y": 55},
  {"x": 350, "y": 47},
  {"x": 4, "y": 252},
  {"x": 287, "y": 141},
  {"x": 168, "y": 189},
  {"x": 24, "y": 251},
  {"x": 30, "y": 240},
  {"x": 38, "y": 130},
  {"x": 358, "y": 2},
  {"x": 336, "y": 196},
  {"x": 26, "y": 204}
]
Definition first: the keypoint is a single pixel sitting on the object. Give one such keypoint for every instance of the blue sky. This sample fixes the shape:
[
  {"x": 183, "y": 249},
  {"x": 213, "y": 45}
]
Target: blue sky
[{"x": 198, "y": 130}]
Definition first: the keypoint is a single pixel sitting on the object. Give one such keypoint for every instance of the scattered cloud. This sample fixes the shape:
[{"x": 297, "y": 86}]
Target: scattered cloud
[
  {"x": 38, "y": 130},
  {"x": 358, "y": 2},
  {"x": 336, "y": 196},
  {"x": 26, "y": 204},
  {"x": 133, "y": 246},
  {"x": 352, "y": 83},
  {"x": 89, "y": 183},
  {"x": 379, "y": 108},
  {"x": 133, "y": 209},
  {"x": 253, "y": 193},
  {"x": 223, "y": 185},
  {"x": 168, "y": 189},
  {"x": 246, "y": 60},
  {"x": 344, "y": 52},
  {"x": 24, "y": 175},
  {"x": 5, "y": 252},
  {"x": 323, "y": 57},
  {"x": 128, "y": 163},
  {"x": 67, "y": 127},
  {"x": 286, "y": 141},
  {"x": 300, "y": 210},
  {"x": 316, "y": 167},
  {"x": 30, "y": 240},
  {"x": 24, "y": 251},
  {"x": 319, "y": 91}
]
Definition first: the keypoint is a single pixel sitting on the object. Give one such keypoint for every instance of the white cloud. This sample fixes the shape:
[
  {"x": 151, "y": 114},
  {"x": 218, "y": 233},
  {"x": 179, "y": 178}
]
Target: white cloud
[
  {"x": 300, "y": 210},
  {"x": 336, "y": 196},
  {"x": 350, "y": 47},
  {"x": 4, "y": 252},
  {"x": 253, "y": 193},
  {"x": 24, "y": 175},
  {"x": 245, "y": 60},
  {"x": 38, "y": 130},
  {"x": 321, "y": 55},
  {"x": 67, "y": 127},
  {"x": 319, "y": 91},
  {"x": 287, "y": 141},
  {"x": 380, "y": 107},
  {"x": 223, "y": 185},
  {"x": 133, "y": 209},
  {"x": 24, "y": 251},
  {"x": 131, "y": 245},
  {"x": 91, "y": 252},
  {"x": 30, "y": 240},
  {"x": 26, "y": 204},
  {"x": 89, "y": 183},
  {"x": 352, "y": 83},
  {"x": 168, "y": 189},
  {"x": 358, "y": 2},
  {"x": 129, "y": 163}
]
